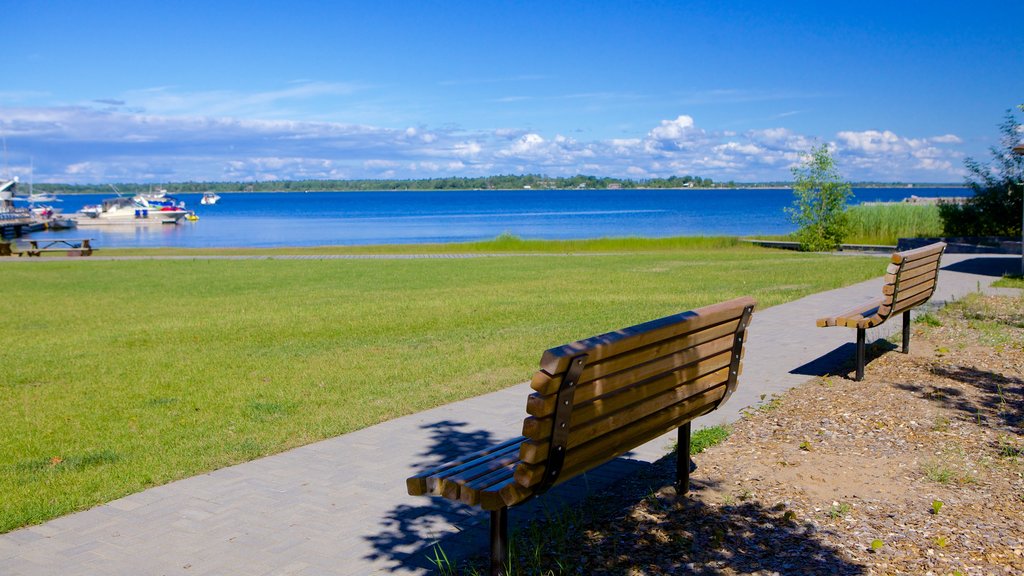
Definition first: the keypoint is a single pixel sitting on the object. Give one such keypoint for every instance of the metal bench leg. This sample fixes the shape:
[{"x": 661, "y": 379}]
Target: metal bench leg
[
  {"x": 860, "y": 354},
  {"x": 906, "y": 332},
  {"x": 499, "y": 541},
  {"x": 683, "y": 460}
]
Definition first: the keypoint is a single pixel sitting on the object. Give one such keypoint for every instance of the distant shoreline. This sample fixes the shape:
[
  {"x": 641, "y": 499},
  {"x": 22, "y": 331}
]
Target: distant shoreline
[{"x": 538, "y": 189}]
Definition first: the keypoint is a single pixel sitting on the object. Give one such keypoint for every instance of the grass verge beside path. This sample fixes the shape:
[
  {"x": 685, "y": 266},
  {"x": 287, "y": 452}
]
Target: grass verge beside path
[
  {"x": 1009, "y": 282},
  {"x": 504, "y": 244},
  {"x": 120, "y": 375}
]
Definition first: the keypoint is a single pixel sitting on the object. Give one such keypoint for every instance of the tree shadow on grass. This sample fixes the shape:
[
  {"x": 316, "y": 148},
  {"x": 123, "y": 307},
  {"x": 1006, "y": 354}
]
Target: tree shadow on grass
[{"x": 1000, "y": 399}]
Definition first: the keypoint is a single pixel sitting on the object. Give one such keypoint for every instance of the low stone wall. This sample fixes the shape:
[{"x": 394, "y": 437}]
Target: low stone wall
[{"x": 965, "y": 245}]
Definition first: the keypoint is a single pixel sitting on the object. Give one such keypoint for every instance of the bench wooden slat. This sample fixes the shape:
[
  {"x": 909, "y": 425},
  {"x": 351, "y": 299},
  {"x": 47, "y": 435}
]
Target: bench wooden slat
[
  {"x": 448, "y": 484},
  {"x": 608, "y": 419},
  {"x": 539, "y": 427},
  {"x": 556, "y": 360},
  {"x": 907, "y": 304},
  {"x": 930, "y": 269},
  {"x": 921, "y": 262},
  {"x": 904, "y": 296},
  {"x": 910, "y": 267},
  {"x": 488, "y": 481},
  {"x": 909, "y": 281},
  {"x": 918, "y": 253},
  {"x": 857, "y": 312},
  {"x": 611, "y": 446},
  {"x": 689, "y": 343},
  {"x": 543, "y": 405},
  {"x": 505, "y": 494}
]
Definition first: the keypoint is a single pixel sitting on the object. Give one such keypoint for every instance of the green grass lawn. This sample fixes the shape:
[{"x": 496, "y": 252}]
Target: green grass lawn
[{"x": 120, "y": 375}]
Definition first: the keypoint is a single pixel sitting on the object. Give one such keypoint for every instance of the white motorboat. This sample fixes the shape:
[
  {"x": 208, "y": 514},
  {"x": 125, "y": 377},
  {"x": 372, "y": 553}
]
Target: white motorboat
[
  {"x": 141, "y": 209},
  {"x": 209, "y": 199}
]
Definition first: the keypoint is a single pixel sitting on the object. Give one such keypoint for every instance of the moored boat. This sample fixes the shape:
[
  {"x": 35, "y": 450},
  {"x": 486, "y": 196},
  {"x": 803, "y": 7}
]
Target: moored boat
[{"x": 158, "y": 208}]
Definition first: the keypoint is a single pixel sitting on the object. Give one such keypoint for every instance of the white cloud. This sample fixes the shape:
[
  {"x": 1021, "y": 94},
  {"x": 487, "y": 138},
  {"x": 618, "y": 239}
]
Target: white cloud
[
  {"x": 677, "y": 129},
  {"x": 100, "y": 144}
]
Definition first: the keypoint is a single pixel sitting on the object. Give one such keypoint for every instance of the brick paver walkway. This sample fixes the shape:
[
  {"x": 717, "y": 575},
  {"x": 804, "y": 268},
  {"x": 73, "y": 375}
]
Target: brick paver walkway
[{"x": 339, "y": 506}]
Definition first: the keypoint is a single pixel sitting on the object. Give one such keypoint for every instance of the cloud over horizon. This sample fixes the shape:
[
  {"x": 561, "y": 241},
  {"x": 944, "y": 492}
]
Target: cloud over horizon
[{"x": 105, "y": 141}]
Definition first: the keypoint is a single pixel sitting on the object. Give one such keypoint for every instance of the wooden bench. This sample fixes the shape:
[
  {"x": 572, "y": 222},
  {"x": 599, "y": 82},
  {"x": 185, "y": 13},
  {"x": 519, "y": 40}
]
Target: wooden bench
[
  {"x": 597, "y": 399},
  {"x": 71, "y": 247},
  {"x": 910, "y": 281}
]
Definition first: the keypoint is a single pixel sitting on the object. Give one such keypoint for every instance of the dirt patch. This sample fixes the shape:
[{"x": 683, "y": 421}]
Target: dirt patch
[{"x": 918, "y": 469}]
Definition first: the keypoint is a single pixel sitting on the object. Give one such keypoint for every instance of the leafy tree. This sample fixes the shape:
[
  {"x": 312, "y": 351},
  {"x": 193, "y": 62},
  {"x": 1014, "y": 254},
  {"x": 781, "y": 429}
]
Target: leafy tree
[
  {"x": 995, "y": 208},
  {"x": 820, "y": 205}
]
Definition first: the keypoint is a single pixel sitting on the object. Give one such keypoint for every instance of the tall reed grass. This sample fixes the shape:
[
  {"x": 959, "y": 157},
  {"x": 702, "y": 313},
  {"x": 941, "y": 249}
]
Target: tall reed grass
[{"x": 886, "y": 223}]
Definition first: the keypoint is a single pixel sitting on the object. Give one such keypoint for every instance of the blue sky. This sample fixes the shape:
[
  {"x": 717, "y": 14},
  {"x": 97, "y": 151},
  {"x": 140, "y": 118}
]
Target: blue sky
[{"x": 152, "y": 92}]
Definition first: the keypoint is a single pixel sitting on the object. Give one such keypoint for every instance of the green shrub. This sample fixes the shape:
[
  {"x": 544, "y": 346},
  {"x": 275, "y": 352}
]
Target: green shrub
[
  {"x": 820, "y": 205},
  {"x": 995, "y": 208}
]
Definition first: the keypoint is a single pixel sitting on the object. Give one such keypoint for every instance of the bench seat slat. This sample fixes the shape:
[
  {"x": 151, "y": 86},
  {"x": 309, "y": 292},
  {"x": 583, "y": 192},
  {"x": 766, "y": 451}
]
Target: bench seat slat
[
  {"x": 448, "y": 483},
  {"x": 507, "y": 493},
  {"x": 472, "y": 492},
  {"x": 418, "y": 484},
  {"x": 857, "y": 313}
]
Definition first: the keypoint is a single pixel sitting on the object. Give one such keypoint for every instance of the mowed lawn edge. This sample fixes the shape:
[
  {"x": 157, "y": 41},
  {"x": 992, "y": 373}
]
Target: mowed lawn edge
[{"x": 116, "y": 376}]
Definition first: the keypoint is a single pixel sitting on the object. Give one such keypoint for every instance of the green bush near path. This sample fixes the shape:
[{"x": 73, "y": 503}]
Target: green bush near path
[{"x": 120, "y": 375}]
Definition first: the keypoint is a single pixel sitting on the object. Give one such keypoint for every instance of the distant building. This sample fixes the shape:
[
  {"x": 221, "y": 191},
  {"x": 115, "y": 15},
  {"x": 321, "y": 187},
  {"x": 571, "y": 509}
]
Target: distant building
[{"x": 615, "y": 186}]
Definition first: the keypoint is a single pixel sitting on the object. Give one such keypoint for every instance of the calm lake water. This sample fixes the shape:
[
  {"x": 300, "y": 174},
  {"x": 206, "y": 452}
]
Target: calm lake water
[{"x": 351, "y": 218}]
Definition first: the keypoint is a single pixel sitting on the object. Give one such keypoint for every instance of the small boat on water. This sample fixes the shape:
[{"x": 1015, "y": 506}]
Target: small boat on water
[
  {"x": 40, "y": 207},
  {"x": 209, "y": 199},
  {"x": 149, "y": 208}
]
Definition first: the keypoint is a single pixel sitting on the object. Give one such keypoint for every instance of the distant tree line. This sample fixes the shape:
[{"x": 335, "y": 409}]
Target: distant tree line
[{"x": 500, "y": 182}]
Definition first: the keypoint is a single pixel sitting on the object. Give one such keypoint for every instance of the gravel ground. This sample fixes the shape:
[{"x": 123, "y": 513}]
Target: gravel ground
[{"x": 918, "y": 469}]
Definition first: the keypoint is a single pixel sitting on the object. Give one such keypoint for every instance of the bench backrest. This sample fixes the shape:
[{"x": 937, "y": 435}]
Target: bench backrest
[
  {"x": 599, "y": 398},
  {"x": 910, "y": 279}
]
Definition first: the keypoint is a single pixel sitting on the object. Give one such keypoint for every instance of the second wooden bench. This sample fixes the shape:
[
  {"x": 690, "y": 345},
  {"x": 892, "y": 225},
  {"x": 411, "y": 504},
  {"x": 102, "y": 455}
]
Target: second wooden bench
[{"x": 909, "y": 281}]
